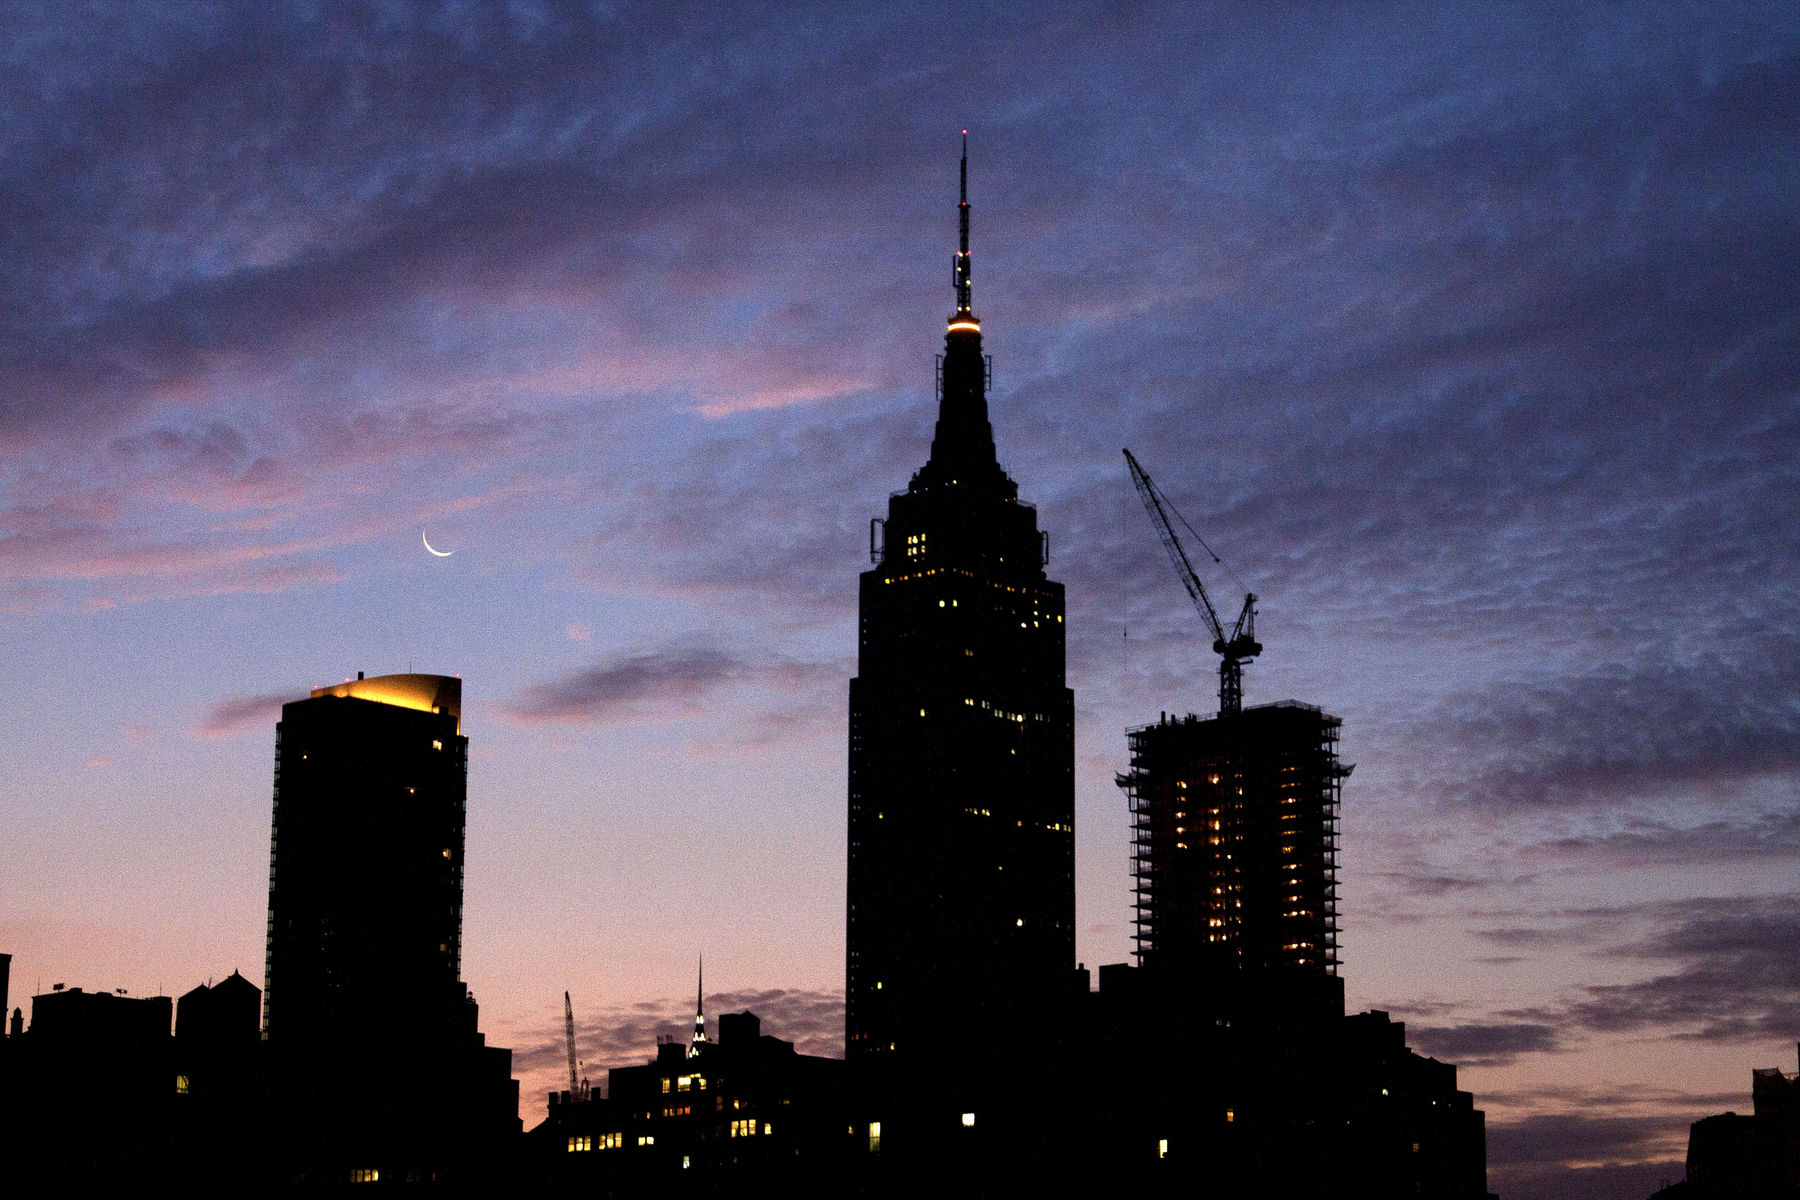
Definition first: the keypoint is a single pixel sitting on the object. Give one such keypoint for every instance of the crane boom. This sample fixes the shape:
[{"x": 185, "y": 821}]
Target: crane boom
[
  {"x": 569, "y": 1027},
  {"x": 1235, "y": 647}
]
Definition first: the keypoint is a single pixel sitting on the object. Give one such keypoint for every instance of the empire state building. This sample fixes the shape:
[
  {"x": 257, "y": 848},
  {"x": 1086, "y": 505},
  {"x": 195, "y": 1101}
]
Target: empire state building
[{"x": 961, "y": 904}]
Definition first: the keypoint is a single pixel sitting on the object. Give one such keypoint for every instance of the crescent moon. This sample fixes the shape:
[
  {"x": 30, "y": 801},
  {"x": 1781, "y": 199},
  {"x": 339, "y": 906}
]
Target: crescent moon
[{"x": 428, "y": 546}]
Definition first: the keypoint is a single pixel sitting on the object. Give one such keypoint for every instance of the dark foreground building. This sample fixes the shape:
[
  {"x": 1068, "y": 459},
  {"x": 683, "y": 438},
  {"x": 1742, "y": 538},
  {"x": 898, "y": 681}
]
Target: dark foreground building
[
  {"x": 378, "y": 1067},
  {"x": 961, "y": 887},
  {"x": 742, "y": 1115},
  {"x": 1754, "y": 1157},
  {"x": 1264, "y": 1087},
  {"x": 96, "y": 1094}
]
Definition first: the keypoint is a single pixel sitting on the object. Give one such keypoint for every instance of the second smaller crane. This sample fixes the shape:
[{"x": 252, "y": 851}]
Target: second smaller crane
[
  {"x": 1234, "y": 648},
  {"x": 577, "y": 1087}
]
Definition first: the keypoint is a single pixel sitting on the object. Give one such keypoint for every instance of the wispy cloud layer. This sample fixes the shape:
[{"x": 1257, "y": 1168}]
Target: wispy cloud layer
[
  {"x": 660, "y": 684},
  {"x": 1718, "y": 969},
  {"x": 1737, "y": 974},
  {"x": 1479, "y": 1045},
  {"x": 243, "y": 714}
]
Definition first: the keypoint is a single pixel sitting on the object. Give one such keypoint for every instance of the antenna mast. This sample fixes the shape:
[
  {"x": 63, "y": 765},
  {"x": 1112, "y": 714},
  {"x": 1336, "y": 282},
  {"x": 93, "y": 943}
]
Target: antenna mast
[{"x": 959, "y": 271}]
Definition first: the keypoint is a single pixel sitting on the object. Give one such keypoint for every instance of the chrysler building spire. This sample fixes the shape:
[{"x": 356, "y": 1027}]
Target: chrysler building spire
[{"x": 699, "y": 1039}]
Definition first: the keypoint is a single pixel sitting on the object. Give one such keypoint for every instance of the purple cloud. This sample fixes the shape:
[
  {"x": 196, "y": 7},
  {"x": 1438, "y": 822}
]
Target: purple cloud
[
  {"x": 645, "y": 685},
  {"x": 244, "y": 714},
  {"x": 1482, "y": 1045}
]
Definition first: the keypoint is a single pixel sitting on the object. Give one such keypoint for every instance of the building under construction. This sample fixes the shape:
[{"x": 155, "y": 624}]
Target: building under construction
[{"x": 1235, "y": 840}]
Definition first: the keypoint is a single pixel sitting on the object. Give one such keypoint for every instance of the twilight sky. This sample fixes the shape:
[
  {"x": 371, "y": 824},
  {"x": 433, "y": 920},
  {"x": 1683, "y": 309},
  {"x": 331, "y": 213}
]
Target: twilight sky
[{"x": 1468, "y": 334}]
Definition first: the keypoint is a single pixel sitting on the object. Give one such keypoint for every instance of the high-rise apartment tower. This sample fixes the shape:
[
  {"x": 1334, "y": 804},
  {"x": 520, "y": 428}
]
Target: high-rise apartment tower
[
  {"x": 371, "y": 1032},
  {"x": 961, "y": 899},
  {"x": 366, "y": 859},
  {"x": 1235, "y": 845}
]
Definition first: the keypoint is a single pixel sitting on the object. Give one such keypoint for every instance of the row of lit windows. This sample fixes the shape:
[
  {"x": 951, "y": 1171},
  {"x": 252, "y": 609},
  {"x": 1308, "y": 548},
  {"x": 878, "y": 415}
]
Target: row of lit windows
[
  {"x": 1051, "y": 827},
  {"x": 1042, "y": 597},
  {"x": 916, "y": 544},
  {"x": 928, "y": 573},
  {"x": 1019, "y": 718},
  {"x": 953, "y": 602}
]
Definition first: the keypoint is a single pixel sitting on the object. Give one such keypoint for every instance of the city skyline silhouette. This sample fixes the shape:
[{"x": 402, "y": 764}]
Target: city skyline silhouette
[{"x": 1464, "y": 338}]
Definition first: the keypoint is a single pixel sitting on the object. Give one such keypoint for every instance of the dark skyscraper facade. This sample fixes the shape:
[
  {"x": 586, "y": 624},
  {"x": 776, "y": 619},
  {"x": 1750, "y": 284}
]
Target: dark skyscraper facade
[
  {"x": 372, "y": 1035},
  {"x": 961, "y": 893},
  {"x": 365, "y": 859}
]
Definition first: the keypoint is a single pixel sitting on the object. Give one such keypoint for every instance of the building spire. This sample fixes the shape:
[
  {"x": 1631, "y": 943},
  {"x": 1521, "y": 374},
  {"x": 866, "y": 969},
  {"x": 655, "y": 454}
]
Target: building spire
[
  {"x": 962, "y": 446},
  {"x": 699, "y": 1012},
  {"x": 964, "y": 316}
]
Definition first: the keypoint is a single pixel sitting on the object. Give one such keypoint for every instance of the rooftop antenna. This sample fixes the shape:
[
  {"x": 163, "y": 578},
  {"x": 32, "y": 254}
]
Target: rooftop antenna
[{"x": 960, "y": 272}]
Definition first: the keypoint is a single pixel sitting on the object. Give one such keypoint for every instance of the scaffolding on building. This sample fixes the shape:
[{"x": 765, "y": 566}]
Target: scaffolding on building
[{"x": 1235, "y": 838}]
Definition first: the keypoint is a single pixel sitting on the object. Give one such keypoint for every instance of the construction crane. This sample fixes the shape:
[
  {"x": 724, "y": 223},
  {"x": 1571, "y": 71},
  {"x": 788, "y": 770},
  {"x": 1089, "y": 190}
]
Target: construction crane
[
  {"x": 1234, "y": 648},
  {"x": 576, "y": 1090}
]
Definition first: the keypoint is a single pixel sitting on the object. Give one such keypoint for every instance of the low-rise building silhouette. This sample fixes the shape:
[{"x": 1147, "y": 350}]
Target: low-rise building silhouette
[
  {"x": 1754, "y": 1157},
  {"x": 90, "y": 1089},
  {"x": 745, "y": 1112}
]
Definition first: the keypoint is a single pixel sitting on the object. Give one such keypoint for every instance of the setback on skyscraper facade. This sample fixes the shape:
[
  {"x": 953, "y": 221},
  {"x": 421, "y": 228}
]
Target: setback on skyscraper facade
[
  {"x": 372, "y": 1035},
  {"x": 961, "y": 891}
]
